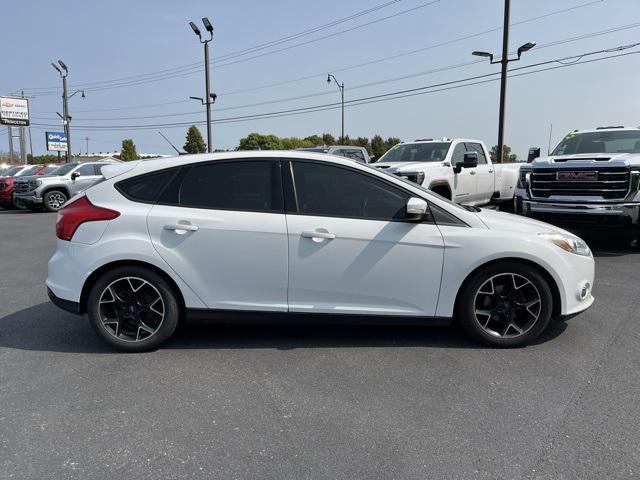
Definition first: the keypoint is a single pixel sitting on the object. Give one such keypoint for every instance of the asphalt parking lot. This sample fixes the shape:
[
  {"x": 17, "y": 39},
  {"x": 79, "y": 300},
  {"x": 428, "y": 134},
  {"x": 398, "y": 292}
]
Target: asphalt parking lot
[{"x": 314, "y": 402}]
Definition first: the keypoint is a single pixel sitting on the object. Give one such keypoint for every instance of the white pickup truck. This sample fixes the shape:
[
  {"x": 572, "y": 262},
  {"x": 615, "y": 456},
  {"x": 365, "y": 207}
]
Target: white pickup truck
[{"x": 459, "y": 169}]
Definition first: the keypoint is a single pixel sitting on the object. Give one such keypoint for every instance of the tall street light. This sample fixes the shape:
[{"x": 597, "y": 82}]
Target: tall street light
[
  {"x": 209, "y": 98},
  {"x": 66, "y": 118},
  {"x": 341, "y": 87},
  {"x": 504, "y": 61}
]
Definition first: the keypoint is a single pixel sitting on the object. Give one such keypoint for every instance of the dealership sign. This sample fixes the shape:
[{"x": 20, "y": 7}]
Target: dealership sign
[
  {"x": 56, "y": 141},
  {"x": 14, "y": 111}
]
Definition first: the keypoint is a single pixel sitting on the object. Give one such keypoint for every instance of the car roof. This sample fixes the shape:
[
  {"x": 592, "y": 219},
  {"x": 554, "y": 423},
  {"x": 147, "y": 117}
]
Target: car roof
[{"x": 606, "y": 129}]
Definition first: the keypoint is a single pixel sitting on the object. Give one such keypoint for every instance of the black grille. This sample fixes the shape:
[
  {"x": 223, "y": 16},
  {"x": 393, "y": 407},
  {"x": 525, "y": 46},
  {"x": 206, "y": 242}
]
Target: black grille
[
  {"x": 609, "y": 183},
  {"x": 20, "y": 187}
]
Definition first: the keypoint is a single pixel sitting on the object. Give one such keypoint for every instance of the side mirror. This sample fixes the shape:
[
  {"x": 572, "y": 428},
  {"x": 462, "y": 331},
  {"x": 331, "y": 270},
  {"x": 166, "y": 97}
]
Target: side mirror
[
  {"x": 74, "y": 175},
  {"x": 470, "y": 160},
  {"x": 534, "y": 152},
  {"x": 416, "y": 208}
]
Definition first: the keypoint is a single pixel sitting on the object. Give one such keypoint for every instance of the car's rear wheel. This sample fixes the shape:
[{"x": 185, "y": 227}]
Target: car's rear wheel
[
  {"x": 506, "y": 305},
  {"x": 53, "y": 200},
  {"x": 133, "y": 308}
]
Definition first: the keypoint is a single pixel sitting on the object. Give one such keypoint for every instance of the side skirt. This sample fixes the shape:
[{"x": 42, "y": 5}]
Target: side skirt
[{"x": 201, "y": 315}]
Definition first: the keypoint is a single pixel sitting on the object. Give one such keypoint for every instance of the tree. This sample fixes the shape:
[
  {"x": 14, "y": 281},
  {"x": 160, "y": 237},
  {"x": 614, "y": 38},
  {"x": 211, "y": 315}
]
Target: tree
[
  {"x": 363, "y": 142},
  {"x": 256, "y": 141},
  {"x": 391, "y": 141},
  {"x": 378, "y": 147},
  {"x": 194, "y": 141},
  {"x": 507, "y": 156},
  {"x": 313, "y": 141},
  {"x": 128, "y": 151},
  {"x": 328, "y": 139}
]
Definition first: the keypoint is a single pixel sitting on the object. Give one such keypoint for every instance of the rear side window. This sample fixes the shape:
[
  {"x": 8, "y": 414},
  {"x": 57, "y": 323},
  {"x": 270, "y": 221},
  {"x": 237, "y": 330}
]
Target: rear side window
[
  {"x": 145, "y": 188},
  {"x": 242, "y": 185}
]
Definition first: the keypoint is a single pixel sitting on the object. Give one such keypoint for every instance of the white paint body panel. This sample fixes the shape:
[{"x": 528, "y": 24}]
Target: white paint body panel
[{"x": 260, "y": 261}]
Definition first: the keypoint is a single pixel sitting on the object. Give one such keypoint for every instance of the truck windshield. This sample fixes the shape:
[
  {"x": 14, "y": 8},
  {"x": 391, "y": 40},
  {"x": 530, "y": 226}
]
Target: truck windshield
[
  {"x": 416, "y": 152},
  {"x": 621, "y": 141}
]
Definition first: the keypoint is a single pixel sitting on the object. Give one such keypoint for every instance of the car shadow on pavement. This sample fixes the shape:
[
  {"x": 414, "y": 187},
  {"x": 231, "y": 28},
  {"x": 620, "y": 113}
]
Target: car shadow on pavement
[{"x": 43, "y": 327}]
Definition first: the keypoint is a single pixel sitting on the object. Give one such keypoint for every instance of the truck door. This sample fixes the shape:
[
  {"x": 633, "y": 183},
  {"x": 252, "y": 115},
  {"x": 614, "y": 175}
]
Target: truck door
[
  {"x": 485, "y": 175},
  {"x": 464, "y": 183}
]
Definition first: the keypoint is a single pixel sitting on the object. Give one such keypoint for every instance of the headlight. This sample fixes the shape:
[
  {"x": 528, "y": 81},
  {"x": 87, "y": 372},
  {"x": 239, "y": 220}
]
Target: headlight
[
  {"x": 523, "y": 178},
  {"x": 569, "y": 243},
  {"x": 415, "y": 177}
]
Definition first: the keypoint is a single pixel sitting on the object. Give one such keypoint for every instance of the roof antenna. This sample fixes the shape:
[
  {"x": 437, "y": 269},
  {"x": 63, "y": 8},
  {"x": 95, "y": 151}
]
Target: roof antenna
[{"x": 172, "y": 145}]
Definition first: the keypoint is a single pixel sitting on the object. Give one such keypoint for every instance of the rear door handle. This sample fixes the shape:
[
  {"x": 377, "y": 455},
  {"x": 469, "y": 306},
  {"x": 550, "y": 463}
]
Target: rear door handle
[
  {"x": 472, "y": 172},
  {"x": 318, "y": 235},
  {"x": 181, "y": 228}
]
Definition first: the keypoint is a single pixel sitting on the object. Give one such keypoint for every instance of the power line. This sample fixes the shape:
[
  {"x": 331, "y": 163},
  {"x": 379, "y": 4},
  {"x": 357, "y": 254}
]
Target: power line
[
  {"x": 194, "y": 69},
  {"x": 382, "y": 97},
  {"x": 364, "y": 85}
]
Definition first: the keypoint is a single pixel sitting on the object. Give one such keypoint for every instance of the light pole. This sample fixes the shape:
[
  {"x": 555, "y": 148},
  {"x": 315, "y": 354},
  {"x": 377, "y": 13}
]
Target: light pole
[
  {"x": 66, "y": 118},
  {"x": 210, "y": 98},
  {"x": 504, "y": 61},
  {"x": 341, "y": 87}
]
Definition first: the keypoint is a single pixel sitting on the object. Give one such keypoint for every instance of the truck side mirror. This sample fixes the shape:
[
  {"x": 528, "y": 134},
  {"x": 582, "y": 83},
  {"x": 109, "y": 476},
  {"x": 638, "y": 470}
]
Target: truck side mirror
[
  {"x": 74, "y": 175},
  {"x": 469, "y": 160},
  {"x": 534, "y": 152}
]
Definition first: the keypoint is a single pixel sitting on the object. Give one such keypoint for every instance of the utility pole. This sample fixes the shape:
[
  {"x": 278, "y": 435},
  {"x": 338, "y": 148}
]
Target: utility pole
[
  {"x": 66, "y": 118},
  {"x": 341, "y": 87},
  {"x": 504, "y": 61},
  {"x": 10, "y": 144},
  {"x": 210, "y": 98},
  {"x": 86, "y": 139}
]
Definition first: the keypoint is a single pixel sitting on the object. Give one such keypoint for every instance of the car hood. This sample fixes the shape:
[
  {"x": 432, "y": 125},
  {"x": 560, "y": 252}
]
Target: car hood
[
  {"x": 604, "y": 159},
  {"x": 495, "y": 220},
  {"x": 406, "y": 166}
]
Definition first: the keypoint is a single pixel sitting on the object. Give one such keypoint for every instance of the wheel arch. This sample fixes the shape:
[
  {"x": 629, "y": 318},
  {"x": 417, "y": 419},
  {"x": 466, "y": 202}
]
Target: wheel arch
[
  {"x": 61, "y": 188},
  {"x": 553, "y": 285},
  {"x": 441, "y": 185},
  {"x": 91, "y": 279}
]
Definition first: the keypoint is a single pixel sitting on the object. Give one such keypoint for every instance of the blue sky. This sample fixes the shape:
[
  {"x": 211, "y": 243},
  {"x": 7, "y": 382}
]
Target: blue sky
[{"x": 105, "y": 41}]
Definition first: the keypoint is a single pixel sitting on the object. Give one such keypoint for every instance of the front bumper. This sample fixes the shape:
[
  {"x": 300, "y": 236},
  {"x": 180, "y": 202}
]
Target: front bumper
[
  {"x": 27, "y": 200},
  {"x": 597, "y": 214}
]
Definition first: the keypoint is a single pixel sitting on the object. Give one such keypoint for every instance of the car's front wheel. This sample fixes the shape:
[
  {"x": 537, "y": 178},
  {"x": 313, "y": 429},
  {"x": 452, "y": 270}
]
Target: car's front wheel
[
  {"x": 506, "y": 305},
  {"x": 133, "y": 308},
  {"x": 53, "y": 200}
]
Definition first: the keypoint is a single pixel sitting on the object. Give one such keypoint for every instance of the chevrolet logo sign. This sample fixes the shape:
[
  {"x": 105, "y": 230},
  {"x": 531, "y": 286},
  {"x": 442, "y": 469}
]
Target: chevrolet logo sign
[{"x": 577, "y": 176}]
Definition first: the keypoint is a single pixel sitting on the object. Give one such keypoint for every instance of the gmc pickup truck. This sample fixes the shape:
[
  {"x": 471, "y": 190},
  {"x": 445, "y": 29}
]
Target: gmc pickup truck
[
  {"x": 592, "y": 178},
  {"x": 458, "y": 169}
]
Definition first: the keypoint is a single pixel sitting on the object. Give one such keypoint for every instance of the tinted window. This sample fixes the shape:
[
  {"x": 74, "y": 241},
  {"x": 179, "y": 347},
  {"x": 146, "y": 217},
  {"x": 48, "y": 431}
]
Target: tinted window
[
  {"x": 86, "y": 170},
  {"x": 340, "y": 192},
  {"x": 458, "y": 154},
  {"x": 242, "y": 185},
  {"x": 356, "y": 155},
  {"x": 145, "y": 188},
  {"x": 476, "y": 147}
]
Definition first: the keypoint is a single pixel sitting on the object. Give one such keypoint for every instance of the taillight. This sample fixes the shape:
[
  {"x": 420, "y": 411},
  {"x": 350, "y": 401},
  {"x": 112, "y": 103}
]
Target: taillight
[{"x": 79, "y": 212}]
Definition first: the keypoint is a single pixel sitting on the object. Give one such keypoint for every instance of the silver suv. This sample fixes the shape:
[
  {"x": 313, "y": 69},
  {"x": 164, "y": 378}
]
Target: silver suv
[
  {"x": 51, "y": 192},
  {"x": 359, "y": 154}
]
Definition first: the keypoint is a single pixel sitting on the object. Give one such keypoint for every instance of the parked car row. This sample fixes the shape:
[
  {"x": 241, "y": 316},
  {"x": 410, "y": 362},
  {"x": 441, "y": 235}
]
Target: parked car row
[{"x": 47, "y": 187}]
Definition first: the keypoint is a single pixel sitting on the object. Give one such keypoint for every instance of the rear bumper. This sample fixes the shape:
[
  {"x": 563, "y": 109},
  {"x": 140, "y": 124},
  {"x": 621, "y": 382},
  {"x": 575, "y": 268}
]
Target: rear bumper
[
  {"x": 68, "y": 305},
  {"x": 597, "y": 214}
]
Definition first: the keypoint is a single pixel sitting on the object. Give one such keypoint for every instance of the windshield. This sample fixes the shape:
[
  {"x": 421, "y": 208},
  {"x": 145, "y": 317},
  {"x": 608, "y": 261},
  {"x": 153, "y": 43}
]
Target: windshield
[
  {"x": 64, "y": 169},
  {"x": 621, "y": 141},
  {"x": 319, "y": 150},
  {"x": 50, "y": 170},
  {"x": 29, "y": 171},
  {"x": 416, "y": 152},
  {"x": 12, "y": 171}
]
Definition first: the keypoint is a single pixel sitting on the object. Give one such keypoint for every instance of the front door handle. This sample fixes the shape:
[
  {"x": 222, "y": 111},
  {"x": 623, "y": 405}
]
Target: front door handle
[
  {"x": 472, "y": 172},
  {"x": 181, "y": 228},
  {"x": 318, "y": 235},
  {"x": 490, "y": 171}
]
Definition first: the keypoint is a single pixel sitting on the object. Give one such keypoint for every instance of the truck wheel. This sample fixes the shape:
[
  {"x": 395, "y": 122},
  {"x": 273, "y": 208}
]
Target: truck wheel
[
  {"x": 133, "y": 309},
  {"x": 505, "y": 305},
  {"x": 53, "y": 200}
]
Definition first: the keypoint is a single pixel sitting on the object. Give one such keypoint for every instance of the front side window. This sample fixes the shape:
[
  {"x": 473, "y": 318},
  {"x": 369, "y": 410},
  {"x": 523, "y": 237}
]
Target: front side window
[
  {"x": 328, "y": 190},
  {"x": 242, "y": 185},
  {"x": 476, "y": 147},
  {"x": 458, "y": 154},
  {"x": 416, "y": 152},
  {"x": 64, "y": 169},
  {"x": 621, "y": 141},
  {"x": 86, "y": 170}
]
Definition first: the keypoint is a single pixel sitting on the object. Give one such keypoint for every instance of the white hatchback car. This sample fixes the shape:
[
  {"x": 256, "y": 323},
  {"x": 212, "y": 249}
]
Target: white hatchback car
[{"x": 297, "y": 236}]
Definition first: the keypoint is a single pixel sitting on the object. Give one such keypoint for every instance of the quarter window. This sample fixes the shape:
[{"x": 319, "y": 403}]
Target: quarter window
[
  {"x": 328, "y": 190},
  {"x": 145, "y": 188},
  {"x": 241, "y": 185}
]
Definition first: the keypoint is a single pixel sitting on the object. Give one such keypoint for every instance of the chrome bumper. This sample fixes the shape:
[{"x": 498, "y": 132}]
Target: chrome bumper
[{"x": 628, "y": 211}]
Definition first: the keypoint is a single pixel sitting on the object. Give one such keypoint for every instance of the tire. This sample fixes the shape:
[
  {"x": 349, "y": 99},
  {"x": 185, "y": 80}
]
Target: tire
[
  {"x": 133, "y": 308},
  {"x": 54, "y": 200},
  {"x": 515, "y": 314}
]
